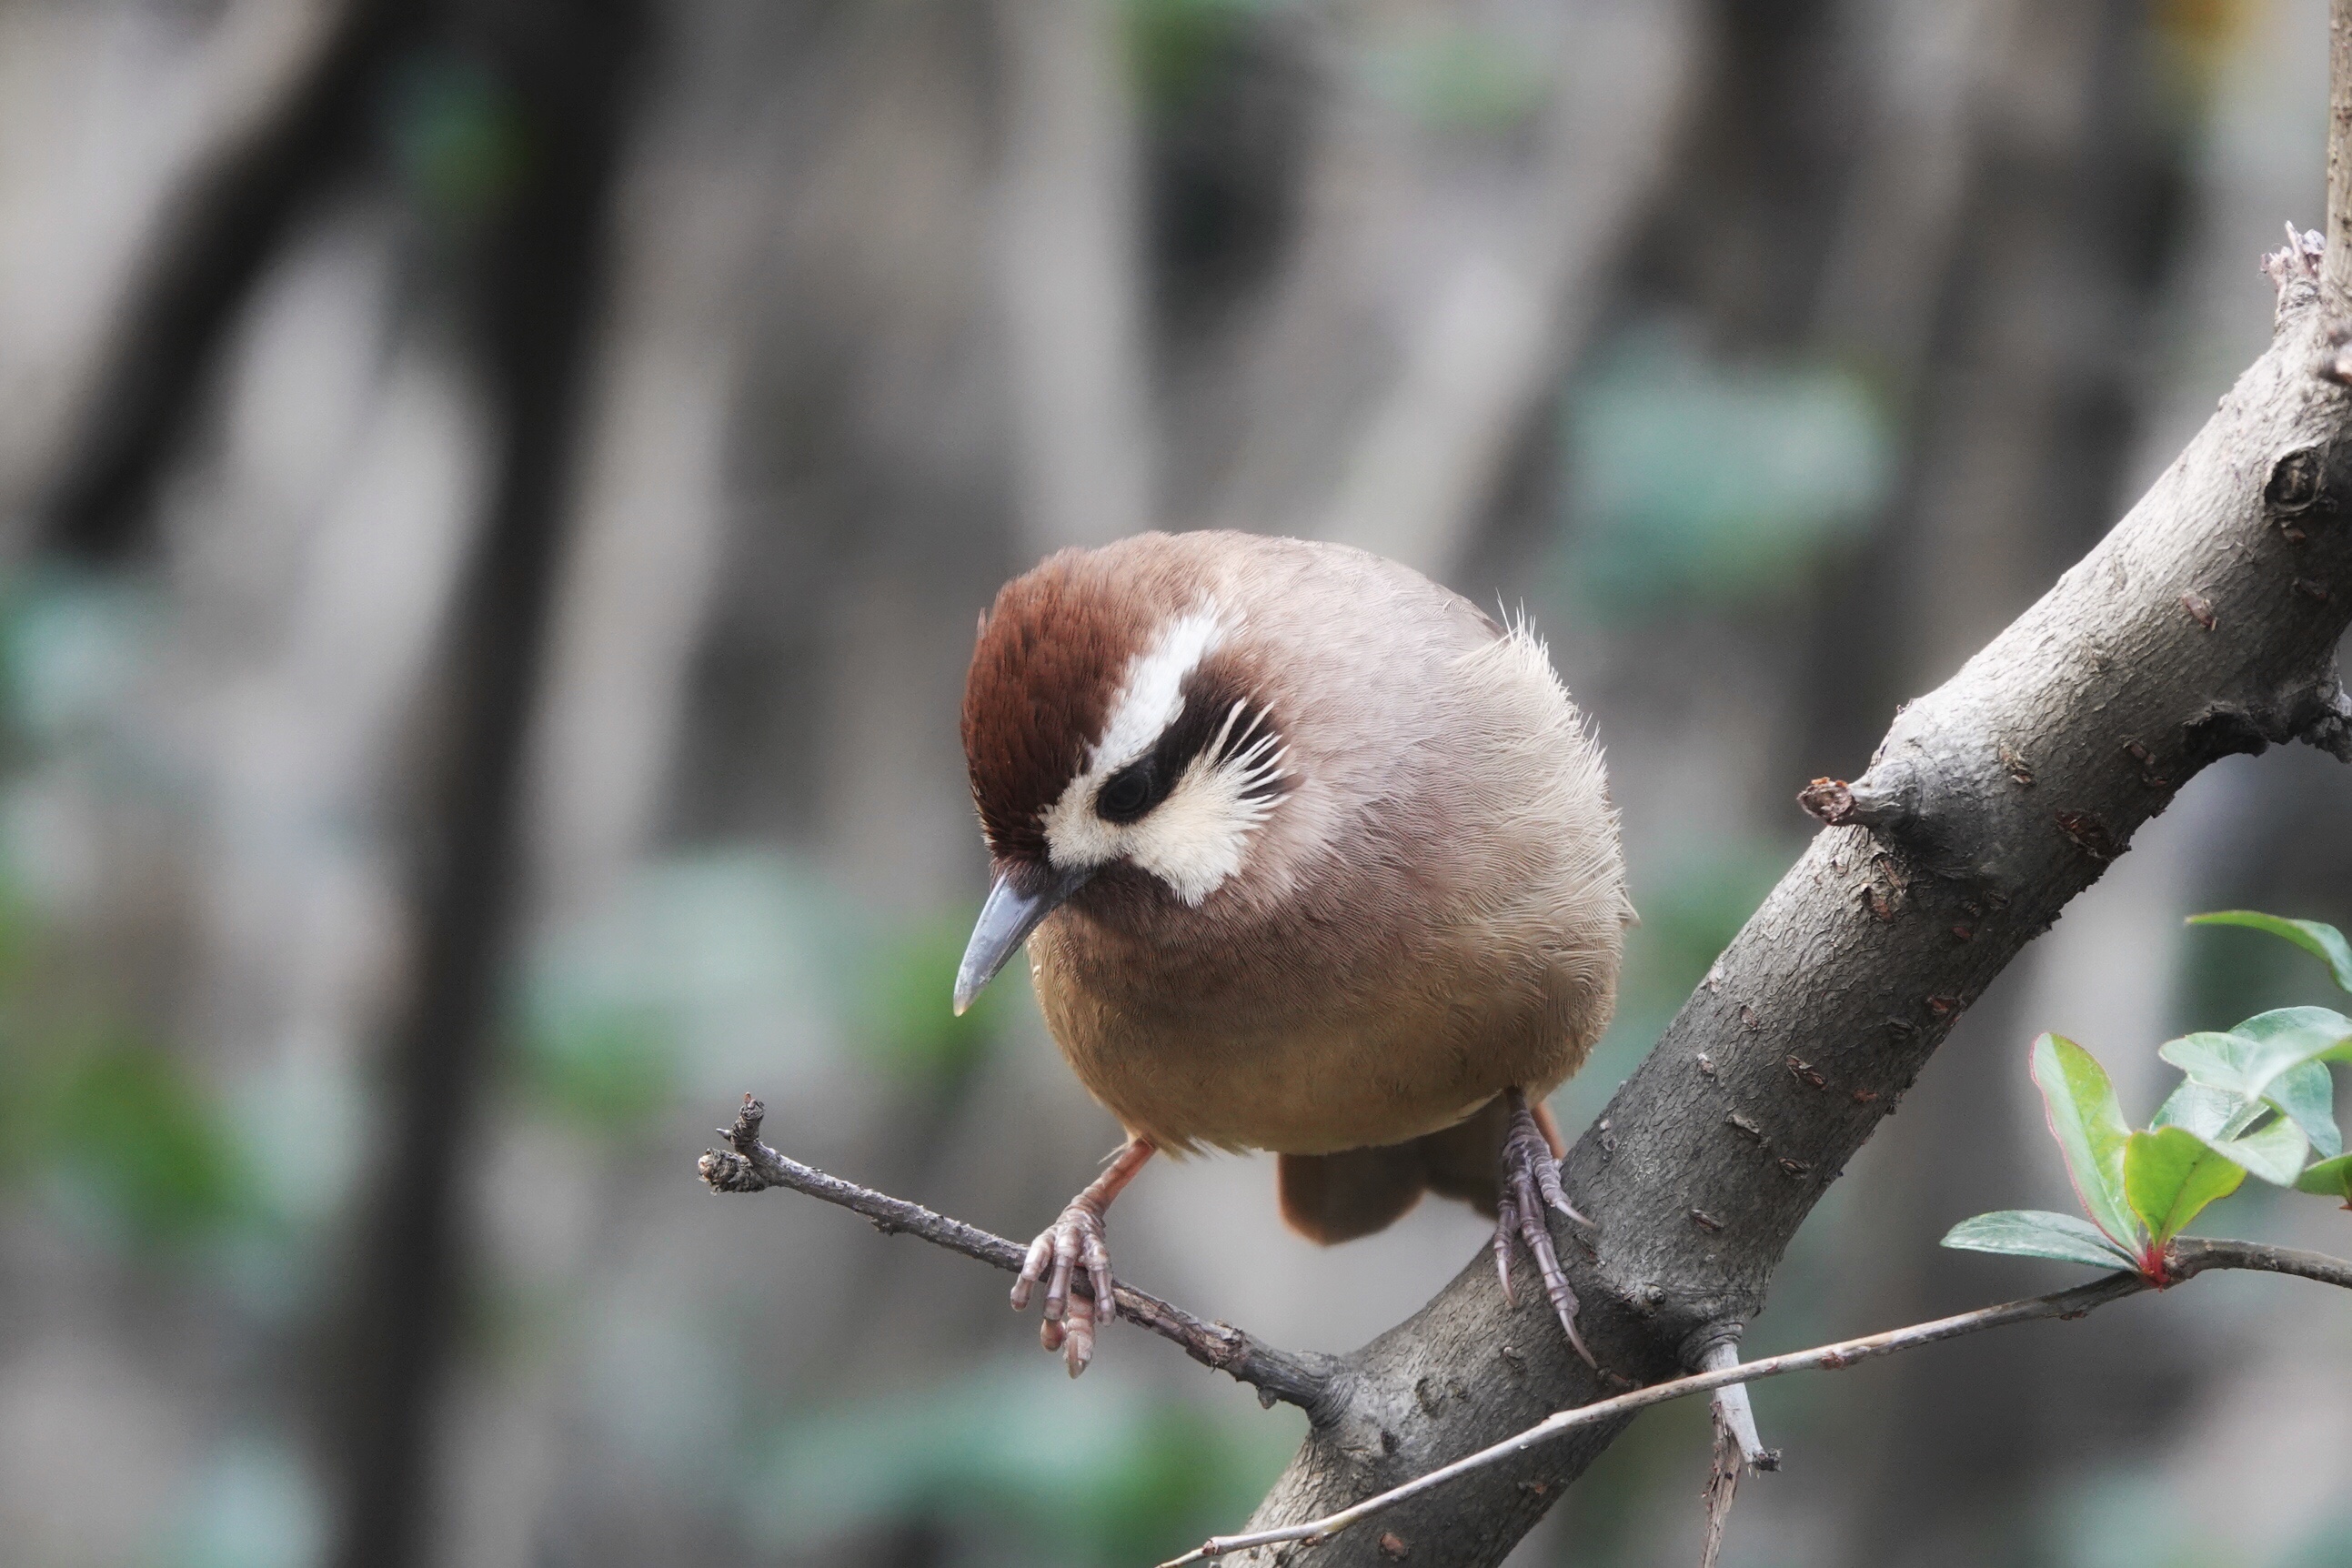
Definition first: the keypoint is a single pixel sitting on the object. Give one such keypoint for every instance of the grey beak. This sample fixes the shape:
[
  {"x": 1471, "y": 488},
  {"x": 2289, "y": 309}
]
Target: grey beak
[{"x": 1020, "y": 899}]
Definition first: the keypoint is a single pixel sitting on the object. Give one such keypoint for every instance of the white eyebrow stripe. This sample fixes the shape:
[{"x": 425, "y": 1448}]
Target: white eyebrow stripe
[{"x": 1152, "y": 695}]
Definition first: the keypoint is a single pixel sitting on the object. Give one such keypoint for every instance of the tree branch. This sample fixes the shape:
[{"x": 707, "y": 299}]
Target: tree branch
[
  {"x": 2186, "y": 1259},
  {"x": 2205, "y": 624},
  {"x": 753, "y": 1166},
  {"x": 2339, "y": 160}
]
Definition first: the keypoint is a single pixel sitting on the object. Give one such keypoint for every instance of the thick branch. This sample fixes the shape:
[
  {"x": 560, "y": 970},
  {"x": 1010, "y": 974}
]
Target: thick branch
[
  {"x": 753, "y": 1166},
  {"x": 2339, "y": 159},
  {"x": 2205, "y": 624},
  {"x": 2186, "y": 1260}
]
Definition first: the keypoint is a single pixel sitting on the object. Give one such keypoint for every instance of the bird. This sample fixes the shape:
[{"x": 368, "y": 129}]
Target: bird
[{"x": 1310, "y": 855}]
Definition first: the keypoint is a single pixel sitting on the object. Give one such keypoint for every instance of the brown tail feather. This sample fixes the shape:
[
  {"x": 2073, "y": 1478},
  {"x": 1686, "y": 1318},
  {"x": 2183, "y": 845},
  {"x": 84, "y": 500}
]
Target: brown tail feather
[
  {"x": 1465, "y": 1161},
  {"x": 1331, "y": 1198}
]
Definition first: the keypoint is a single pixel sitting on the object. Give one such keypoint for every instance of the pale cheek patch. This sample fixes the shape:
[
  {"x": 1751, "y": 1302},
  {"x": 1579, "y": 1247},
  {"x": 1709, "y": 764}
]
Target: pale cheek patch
[{"x": 1195, "y": 839}]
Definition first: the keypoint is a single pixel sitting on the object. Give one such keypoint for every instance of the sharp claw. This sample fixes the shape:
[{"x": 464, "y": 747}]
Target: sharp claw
[
  {"x": 1554, "y": 1193},
  {"x": 1078, "y": 1347},
  {"x": 1504, "y": 1224},
  {"x": 1567, "y": 1314}
]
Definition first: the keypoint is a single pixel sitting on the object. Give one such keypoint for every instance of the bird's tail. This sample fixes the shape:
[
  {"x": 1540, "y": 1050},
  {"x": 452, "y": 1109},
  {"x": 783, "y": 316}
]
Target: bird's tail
[{"x": 1331, "y": 1198}]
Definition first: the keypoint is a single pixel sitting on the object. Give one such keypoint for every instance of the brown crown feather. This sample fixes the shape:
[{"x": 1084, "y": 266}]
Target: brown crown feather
[{"x": 1051, "y": 654}]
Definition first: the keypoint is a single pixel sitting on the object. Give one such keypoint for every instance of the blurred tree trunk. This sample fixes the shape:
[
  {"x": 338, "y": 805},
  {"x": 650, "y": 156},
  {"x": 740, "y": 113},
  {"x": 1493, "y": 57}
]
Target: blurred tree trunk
[
  {"x": 537, "y": 275},
  {"x": 232, "y": 218}
]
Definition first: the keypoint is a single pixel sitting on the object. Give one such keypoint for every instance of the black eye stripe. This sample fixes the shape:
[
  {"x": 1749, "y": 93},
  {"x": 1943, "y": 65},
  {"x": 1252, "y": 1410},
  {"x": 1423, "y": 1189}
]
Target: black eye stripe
[{"x": 1213, "y": 719}]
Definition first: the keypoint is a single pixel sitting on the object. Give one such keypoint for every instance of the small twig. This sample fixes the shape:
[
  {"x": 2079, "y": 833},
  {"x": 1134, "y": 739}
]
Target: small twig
[
  {"x": 1736, "y": 1450},
  {"x": 752, "y": 1167},
  {"x": 2184, "y": 1260},
  {"x": 1733, "y": 1410},
  {"x": 1724, "y": 1467}
]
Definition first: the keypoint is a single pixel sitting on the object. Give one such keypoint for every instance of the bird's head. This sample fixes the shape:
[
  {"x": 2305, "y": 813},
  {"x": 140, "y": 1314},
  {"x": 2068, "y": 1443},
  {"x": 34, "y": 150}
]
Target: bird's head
[{"x": 1110, "y": 721}]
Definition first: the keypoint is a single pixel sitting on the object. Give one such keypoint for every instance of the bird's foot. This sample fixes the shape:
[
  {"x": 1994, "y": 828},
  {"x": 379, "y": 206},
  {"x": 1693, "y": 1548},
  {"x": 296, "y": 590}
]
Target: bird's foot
[
  {"x": 1072, "y": 1242},
  {"x": 1530, "y": 1184}
]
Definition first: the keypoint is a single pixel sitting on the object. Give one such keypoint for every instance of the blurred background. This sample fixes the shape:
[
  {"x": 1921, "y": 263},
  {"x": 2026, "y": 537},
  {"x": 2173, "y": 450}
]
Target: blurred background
[{"x": 494, "y": 497}]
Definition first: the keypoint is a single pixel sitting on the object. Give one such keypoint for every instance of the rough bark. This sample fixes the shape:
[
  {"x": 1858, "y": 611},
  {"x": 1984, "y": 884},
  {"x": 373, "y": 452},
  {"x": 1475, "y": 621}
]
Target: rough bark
[
  {"x": 2205, "y": 624},
  {"x": 2182, "y": 1260},
  {"x": 2338, "y": 278}
]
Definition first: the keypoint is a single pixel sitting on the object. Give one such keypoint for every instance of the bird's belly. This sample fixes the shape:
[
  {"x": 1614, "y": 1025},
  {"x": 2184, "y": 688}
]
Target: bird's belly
[{"x": 1297, "y": 1081}]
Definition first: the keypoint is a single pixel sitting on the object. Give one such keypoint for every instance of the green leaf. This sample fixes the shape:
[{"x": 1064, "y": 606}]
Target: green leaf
[
  {"x": 2277, "y": 1056},
  {"x": 2324, "y": 943},
  {"x": 2090, "y": 1131},
  {"x": 2037, "y": 1233},
  {"x": 2291, "y": 1036},
  {"x": 2208, "y": 1112},
  {"x": 2307, "y": 1095},
  {"x": 2330, "y": 1178},
  {"x": 2247, "y": 1057},
  {"x": 2275, "y": 1154},
  {"x": 2304, "y": 1093},
  {"x": 2171, "y": 1173}
]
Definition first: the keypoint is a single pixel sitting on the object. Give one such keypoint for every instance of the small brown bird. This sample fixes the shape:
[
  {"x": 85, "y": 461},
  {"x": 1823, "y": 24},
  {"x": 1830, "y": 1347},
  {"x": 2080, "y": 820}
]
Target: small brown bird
[{"x": 1311, "y": 855}]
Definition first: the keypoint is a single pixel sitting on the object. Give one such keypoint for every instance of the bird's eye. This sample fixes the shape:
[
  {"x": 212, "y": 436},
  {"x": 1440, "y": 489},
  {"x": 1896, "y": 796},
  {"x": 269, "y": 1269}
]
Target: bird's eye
[{"x": 1128, "y": 795}]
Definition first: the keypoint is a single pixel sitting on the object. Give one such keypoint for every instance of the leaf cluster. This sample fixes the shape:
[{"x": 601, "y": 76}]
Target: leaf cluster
[{"x": 2256, "y": 1099}]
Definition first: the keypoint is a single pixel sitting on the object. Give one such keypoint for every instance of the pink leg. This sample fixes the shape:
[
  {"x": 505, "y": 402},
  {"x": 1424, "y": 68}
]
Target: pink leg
[{"x": 1075, "y": 1240}]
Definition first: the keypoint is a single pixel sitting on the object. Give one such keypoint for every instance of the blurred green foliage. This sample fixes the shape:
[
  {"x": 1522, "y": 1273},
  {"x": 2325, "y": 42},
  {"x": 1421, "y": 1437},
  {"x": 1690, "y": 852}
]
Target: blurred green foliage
[
  {"x": 124, "y": 1123},
  {"x": 1175, "y": 47},
  {"x": 1106, "y": 1472},
  {"x": 907, "y": 1026},
  {"x": 109, "y": 1122},
  {"x": 1694, "y": 481},
  {"x": 732, "y": 961},
  {"x": 605, "y": 1067},
  {"x": 457, "y": 135},
  {"x": 72, "y": 642},
  {"x": 1464, "y": 76},
  {"x": 2328, "y": 1545},
  {"x": 250, "y": 1506},
  {"x": 703, "y": 963}
]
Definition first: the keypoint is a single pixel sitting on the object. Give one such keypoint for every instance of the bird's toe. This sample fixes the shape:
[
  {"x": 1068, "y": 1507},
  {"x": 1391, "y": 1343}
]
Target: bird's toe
[
  {"x": 1071, "y": 1250},
  {"x": 1530, "y": 1185}
]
